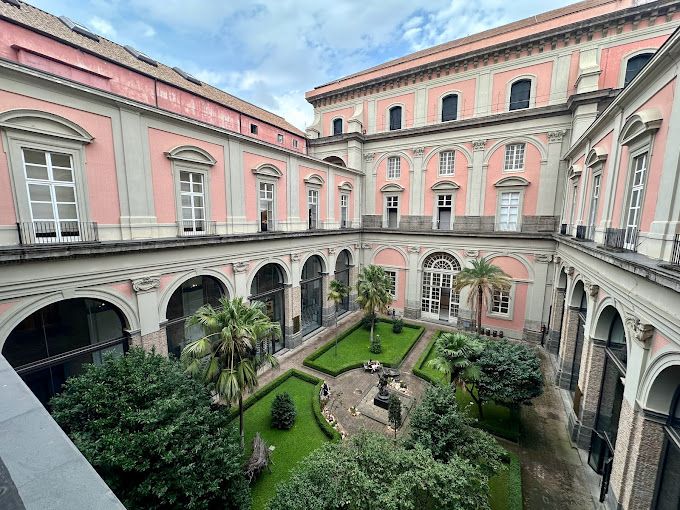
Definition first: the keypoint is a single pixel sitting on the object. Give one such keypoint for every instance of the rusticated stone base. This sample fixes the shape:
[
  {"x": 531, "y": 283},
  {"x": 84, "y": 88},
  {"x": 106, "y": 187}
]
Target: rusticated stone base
[{"x": 156, "y": 341}]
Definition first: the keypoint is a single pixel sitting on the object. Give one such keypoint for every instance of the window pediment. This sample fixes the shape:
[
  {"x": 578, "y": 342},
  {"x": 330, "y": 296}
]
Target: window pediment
[
  {"x": 507, "y": 182},
  {"x": 315, "y": 180},
  {"x": 44, "y": 123},
  {"x": 445, "y": 186},
  {"x": 267, "y": 170},
  {"x": 597, "y": 155},
  {"x": 643, "y": 123},
  {"x": 346, "y": 186},
  {"x": 191, "y": 154},
  {"x": 575, "y": 171},
  {"x": 392, "y": 188}
]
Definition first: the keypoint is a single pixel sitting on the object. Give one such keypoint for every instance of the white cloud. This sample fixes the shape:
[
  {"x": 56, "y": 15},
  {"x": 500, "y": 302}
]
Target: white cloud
[{"x": 103, "y": 27}]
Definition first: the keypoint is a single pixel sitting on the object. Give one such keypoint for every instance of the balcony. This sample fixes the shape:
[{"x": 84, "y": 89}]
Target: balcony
[
  {"x": 52, "y": 232},
  {"x": 620, "y": 239},
  {"x": 193, "y": 228},
  {"x": 585, "y": 232},
  {"x": 675, "y": 253}
]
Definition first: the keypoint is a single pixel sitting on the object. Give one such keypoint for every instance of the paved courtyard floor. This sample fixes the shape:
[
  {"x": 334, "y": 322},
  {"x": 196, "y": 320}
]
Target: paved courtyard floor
[{"x": 554, "y": 475}]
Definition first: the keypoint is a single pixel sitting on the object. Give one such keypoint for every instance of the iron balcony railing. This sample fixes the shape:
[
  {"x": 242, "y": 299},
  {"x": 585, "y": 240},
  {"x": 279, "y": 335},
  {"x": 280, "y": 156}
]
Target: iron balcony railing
[
  {"x": 345, "y": 224},
  {"x": 57, "y": 232},
  {"x": 192, "y": 228},
  {"x": 621, "y": 238},
  {"x": 268, "y": 226},
  {"x": 675, "y": 254},
  {"x": 564, "y": 228},
  {"x": 585, "y": 232}
]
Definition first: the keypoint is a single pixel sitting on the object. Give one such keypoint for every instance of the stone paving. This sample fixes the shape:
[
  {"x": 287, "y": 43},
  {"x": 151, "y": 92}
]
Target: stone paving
[{"x": 554, "y": 476}]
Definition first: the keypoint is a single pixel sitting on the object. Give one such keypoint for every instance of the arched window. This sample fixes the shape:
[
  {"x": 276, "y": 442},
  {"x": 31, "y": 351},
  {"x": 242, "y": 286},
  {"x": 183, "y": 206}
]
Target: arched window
[
  {"x": 395, "y": 118},
  {"x": 310, "y": 291},
  {"x": 337, "y": 127},
  {"x": 342, "y": 266},
  {"x": 450, "y": 107},
  {"x": 440, "y": 301},
  {"x": 635, "y": 65},
  {"x": 520, "y": 94},
  {"x": 268, "y": 287},
  {"x": 55, "y": 342},
  {"x": 189, "y": 297}
]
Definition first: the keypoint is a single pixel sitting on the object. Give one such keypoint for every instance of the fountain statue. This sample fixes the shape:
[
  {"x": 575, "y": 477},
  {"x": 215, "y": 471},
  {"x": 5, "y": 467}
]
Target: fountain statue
[{"x": 383, "y": 396}]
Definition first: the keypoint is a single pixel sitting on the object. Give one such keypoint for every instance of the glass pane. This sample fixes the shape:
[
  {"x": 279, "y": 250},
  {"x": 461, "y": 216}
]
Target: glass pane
[
  {"x": 186, "y": 213},
  {"x": 198, "y": 187},
  {"x": 185, "y": 186},
  {"x": 64, "y": 194},
  {"x": 36, "y": 172},
  {"x": 67, "y": 211},
  {"x": 40, "y": 193},
  {"x": 62, "y": 174},
  {"x": 186, "y": 201},
  {"x": 198, "y": 214},
  {"x": 36, "y": 157},
  {"x": 184, "y": 176},
  {"x": 198, "y": 201},
  {"x": 61, "y": 160},
  {"x": 42, "y": 211}
]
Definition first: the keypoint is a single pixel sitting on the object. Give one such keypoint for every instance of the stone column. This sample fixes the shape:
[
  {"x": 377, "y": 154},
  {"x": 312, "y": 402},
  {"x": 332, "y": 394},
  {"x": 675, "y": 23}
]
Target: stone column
[
  {"x": 590, "y": 384},
  {"x": 565, "y": 358},
  {"x": 639, "y": 445},
  {"x": 556, "y": 317},
  {"x": 476, "y": 184},
  {"x": 547, "y": 188},
  {"x": 292, "y": 298},
  {"x": 536, "y": 299},
  {"x": 369, "y": 185},
  {"x": 327, "y": 306},
  {"x": 412, "y": 302},
  {"x": 416, "y": 190},
  {"x": 241, "y": 279},
  {"x": 152, "y": 336},
  {"x": 353, "y": 279}
]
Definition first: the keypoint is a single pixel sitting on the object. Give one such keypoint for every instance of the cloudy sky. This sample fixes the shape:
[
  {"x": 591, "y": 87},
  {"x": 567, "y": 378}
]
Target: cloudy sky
[{"x": 270, "y": 52}]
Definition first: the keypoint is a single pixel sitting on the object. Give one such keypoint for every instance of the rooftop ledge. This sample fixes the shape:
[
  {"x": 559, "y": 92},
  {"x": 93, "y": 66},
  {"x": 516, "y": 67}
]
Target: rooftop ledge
[{"x": 654, "y": 270}]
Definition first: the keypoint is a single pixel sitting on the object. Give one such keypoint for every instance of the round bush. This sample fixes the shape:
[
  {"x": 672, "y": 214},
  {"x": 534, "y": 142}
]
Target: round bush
[
  {"x": 397, "y": 326},
  {"x": 376, "y": 345},
  {"x": 283, "y": 411},
  {"x": 367, "y": 320}
]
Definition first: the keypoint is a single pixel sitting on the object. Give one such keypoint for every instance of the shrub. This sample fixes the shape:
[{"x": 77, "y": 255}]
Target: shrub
[
  {"x": 283, "y": 411},
  {"x": 397, "y": 326},
  {"x": 149, "y": 432},
  {"x": 367, "y": 320},
  {"x": 376, "y": 345}
]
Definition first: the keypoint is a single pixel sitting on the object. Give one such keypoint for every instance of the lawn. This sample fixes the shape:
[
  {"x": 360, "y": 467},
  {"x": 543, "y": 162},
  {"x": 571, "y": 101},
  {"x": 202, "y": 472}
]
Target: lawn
[
  {"x": 498, "y": 420},
  {"x": 292, "y": 445},
  {"x": 352, "y": 350},
  {"x": 506, "y": 487}
]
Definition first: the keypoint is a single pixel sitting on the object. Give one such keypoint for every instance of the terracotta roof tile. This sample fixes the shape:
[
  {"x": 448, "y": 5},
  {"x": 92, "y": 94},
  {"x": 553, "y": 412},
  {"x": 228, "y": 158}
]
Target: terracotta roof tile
[{"x": 42, "y": 21}]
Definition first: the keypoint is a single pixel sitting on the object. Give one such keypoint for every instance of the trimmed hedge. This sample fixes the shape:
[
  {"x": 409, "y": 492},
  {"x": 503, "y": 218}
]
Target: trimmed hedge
[
  {"x": 417, "y": 368},
  {"x": 506, "y": 487},
  {"x": 326, "y": 427},
  {"x": 310, "y": 361}
]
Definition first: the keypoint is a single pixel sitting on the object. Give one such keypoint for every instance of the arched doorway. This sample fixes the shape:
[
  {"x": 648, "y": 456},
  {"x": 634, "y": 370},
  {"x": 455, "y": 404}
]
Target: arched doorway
[
  {"x": 439, "y": 301},
  {"x": 603, "y": 440},
  {"x": 579, "y": 301},
  {"x": 267, "y": 287},
  {"x": 189, "y": 297},
  {"x": 311, "y": 283},
  {"x": 668, "y": 489},
  {"x": 342, "y": 267},
  {"x": 53, "y": 343}
]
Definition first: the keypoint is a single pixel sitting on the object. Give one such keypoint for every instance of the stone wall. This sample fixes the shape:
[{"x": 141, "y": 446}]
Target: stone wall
[
  {"x": 556, "y": 315},
  {"x": 567, "y": 345},
  {"x": 156, "y": 341}
]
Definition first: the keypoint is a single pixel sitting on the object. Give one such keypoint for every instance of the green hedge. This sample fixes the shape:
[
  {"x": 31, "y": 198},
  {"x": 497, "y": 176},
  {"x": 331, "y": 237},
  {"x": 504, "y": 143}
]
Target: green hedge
[
  {"x": 417, "y": 368},
  {"x": 326, "y": 427},
  {"x": 309, "y": 361},
  {"x": 506, "y": 487}
]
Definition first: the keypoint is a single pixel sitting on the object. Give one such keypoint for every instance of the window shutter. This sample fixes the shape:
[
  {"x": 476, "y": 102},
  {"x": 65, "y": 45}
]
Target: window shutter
[{"x": 450, "y": 108}]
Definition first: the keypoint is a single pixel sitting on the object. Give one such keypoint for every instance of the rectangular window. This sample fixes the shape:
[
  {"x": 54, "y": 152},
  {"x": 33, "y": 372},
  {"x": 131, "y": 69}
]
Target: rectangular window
[
  {"x": 279, "y": 138},
  {"x": 509, "y": 211},
  {"x": 444, "y": 212},
  {"x": 392, "y": 211},
  {"x": 514, "y": 156},
  {"x": 313, "y": 208},
  {"x": 501, "y": 302},
  {"x": 253, "y": 129},
  {"x": 393, "y": 167},
  {"x": 594, "y": 199},
  {"x": 192, "y": 197},
  {"x": 295, "y": 144},
  {"x": 344, "y": 211},
  {"x": 52, "y": 195},
  {"x": 446, "y": 163},
  {"x": 635, "y": 202},
  {"x": 392, "y": 275},
  {"x": 266, "y": 206}
]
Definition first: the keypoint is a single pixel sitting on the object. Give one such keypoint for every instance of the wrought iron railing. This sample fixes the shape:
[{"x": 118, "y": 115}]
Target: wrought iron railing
[
  {"x": 268, "y": 226},
  {"x": 621, "y": 238},
  {"x": 192, "y": 228},
  {"x": 57, "y": 232},
  {"x": 585, "y": 232},
  {"x": 564, "y": 228},
  {"x": 675, "y": 253}
]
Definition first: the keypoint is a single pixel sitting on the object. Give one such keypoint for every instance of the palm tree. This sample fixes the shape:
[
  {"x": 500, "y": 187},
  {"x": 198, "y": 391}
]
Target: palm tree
[
  {"x": 226, "y": 358},
  {"x": 373, "y": 292},
  {"x": 338, "y": 291},
  {"x": 483, "y": 278}
]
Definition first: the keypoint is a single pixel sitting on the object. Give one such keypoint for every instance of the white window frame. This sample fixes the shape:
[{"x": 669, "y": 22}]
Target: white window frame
[
  {"x": 387, "y": 116},
  {"x": 271, "y": 221},
  {"x": 395, "y": 169},
  {"x": 393, "y": 275},
  {"x": 439, "y": 196},
  {"x": 500, "y": 206},
  {"x": 386, "y": 206},
  {"x": 440, "y": 110},
  {"x": 193, "y": 222},
  {"x": 511, "y": 156},
  {"x": 595, "y": 192},
  {"x": 448, "y": 165},
  {"x": 624, "y": 62},
  {"x": 314, "y": 205},
  {"x": 280, "y": 138},
  {"x": 634, "y": 189},
  {"x": 509, "y": 315},
  {"x": 344, "y": 197}
]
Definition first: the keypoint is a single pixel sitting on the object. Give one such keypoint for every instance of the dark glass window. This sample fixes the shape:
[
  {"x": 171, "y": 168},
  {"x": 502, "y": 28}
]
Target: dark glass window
[
  {"x": 310, "y": 290},
  {"x": 520, "y": 93},
  {"x": 337, "y": 127},
  {"x": 635, "y": 65},
  {"x": 450, "y": 107},
  {"x": 253, "y": 129},
  {"x": 342, "y": 275},
  {"x": 395, "y": 118},
  {"x": 267, "y": 287}
]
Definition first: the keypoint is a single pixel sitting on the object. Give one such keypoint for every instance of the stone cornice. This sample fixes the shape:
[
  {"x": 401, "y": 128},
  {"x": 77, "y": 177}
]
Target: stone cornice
[{"x": 539, "y": 42}]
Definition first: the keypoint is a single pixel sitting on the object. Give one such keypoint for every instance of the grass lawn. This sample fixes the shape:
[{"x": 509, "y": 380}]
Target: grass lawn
[
  {"x": 498, "y": 420},
  {"x": 291, "y": 445},
  {"x": 353, "y": 348},
  {"x": 506, "y": 487}
]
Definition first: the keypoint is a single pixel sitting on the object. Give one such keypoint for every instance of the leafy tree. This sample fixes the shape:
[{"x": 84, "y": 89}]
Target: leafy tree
[
  {"x": 226, "y": 358},
  {"x": 456, "y": 356},
  {"x": 369, "y": 472},
  {"x": 439, "y": 426},
  {"x": 510, "y": 374},
  {"x": 394, "y": 412},
  {"x": 373, "y": 292},
  {"x": 483, "y": 278},
  {"x": 337, "y": 292},
  {"x": 149, "y": 432},
  {"x": 283, "y": 411}
]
